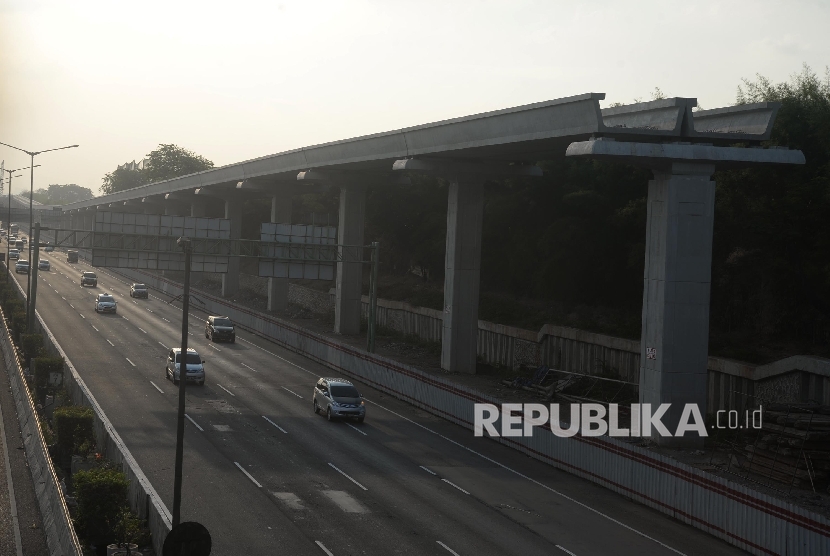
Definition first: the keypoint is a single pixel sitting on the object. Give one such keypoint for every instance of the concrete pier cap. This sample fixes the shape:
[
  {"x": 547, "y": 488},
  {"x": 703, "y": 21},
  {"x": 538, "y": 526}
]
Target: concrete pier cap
[{"x": 680, "y": 217}]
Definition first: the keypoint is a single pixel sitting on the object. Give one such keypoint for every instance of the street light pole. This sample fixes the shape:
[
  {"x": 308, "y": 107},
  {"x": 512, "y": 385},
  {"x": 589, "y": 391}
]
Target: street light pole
[
  {"x": 9, "y": 223},
  {"x": 184, "y": 243},
  {"x": 31, "y": 216}
]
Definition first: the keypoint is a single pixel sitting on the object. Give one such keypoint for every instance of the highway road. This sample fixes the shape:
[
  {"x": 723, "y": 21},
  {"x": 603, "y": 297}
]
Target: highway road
[{"x": 267, "y": 476}]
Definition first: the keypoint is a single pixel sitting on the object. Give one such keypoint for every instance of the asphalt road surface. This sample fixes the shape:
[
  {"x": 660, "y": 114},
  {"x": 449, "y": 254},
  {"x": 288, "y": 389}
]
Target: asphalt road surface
[{"x": 267, "y": 476}]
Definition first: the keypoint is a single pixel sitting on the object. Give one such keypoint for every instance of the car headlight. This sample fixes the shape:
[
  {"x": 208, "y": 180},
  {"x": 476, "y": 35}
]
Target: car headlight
[{"x": 362, "y": 403}]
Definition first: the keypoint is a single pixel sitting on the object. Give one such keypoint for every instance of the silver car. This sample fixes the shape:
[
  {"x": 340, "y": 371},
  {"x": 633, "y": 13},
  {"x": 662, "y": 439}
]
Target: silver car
[
  {"x": 105, "y": 303},
  {"x": 338, "y": 398},
  {"x": 195, "y": 366}
]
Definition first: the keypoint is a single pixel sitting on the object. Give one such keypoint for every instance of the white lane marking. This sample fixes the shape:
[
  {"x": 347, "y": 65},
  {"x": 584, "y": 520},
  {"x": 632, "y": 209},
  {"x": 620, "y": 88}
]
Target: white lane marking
[
  {"x": 534, "y": 481},
  {"x": 71, "y": 305},
  {"x": 150, "y": 310},
  {"x": 194, "y": 422},
  {"x": 83, "y": 317},
  {"x": 131, "y": 363},
  {"x": 214, "y": 347},
  {"x": 276, "y": 425},
  {"x": 125, "y": 318},
  {"x": 157, "y": 388},
  {"x": 357, "y": 429},
  {"x": 430, "y": 471},
  {"x": 450, "y": 550},
  {"x": 247, "y": 474},
  {"x": 226, "y": 390},
  {"x": 244, "y": 365},
  {"x": 164, "y": 346},
  {"x": 456, "y": 486},
  {"x": 289, "y": 499},
  {"x": 295, "y": 393},
  {"x": 56, "y": 291},
  {"x": 223, "y": 428},
  {"x": 342, "y": 473},
  {"x": 278, "y": 357},
  {"x": 136, "y": 302},
  {"x": 110, "y": 343},
  {"x": 96, "y": 330},
  {"x": 326, "y": 550},
  {"x": 565, "y": 550},
  {"x": 345, "y": 501},
  {"x": 162, "y": 318},
  {"x": 62, "y": 297},
  {"x": 142, "y": 330}
]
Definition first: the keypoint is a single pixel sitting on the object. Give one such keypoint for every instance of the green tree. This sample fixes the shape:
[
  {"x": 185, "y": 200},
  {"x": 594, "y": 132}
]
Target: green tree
[
  {"x": 170, "y": 161},
  {"x": 58, "y": 194},
  {"x": 166, "y": 162}
]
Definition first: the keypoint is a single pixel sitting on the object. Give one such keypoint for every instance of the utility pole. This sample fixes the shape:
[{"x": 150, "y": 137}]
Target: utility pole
[
  {"x": 34, "y": 245},
  {"x": 184, "y": 243}
]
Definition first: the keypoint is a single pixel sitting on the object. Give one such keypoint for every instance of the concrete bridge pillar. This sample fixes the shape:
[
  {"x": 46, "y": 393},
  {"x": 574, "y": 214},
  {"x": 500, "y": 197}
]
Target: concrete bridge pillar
[
  {"x": 350, "y": 269},
  {"x": 230, "y": 280},
  {"x": 678, "y": 272},
  {"x": 462, "y": 275},
  {"x": 278, "y": 287}
]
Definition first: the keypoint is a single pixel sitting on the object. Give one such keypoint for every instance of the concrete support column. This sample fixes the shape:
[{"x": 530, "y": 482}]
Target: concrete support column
[
  {"x": 278, "y": 287},
  {"x": 230, "y": 280},
  {"x": 462, "y": 276},
  {"x": 676, "y": 286},
  {"x": 350, "y": 270}
]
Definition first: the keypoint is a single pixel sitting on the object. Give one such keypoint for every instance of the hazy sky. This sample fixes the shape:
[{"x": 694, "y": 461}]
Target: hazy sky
[{"x": 241, "y": 79}]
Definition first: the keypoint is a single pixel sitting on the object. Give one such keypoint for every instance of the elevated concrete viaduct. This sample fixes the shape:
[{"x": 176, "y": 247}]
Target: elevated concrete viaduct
[{"x": 681, "y": 146}]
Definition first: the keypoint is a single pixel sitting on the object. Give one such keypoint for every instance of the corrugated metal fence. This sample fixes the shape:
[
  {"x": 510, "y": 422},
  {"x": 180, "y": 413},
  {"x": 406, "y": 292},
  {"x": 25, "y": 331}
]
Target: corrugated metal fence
[{"x": 755, "y": 522}]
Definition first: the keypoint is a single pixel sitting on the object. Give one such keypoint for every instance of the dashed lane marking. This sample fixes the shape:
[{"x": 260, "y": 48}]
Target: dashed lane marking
[
  {"x": 110, "y": 343},
  {"x": 344, "y": 474},
  {"x": 447, "y": 548},
  {"x": 323, "y": 548},
  {"x": 565, "y": 550},
  {"x": 226, "y": 390},
  {"x": 142, "y": 330},
  {"x": 162, "y": 318},
  {"x": 248, "y": 475},
  {"x": 83, "y": 317},
  {"x": 249, "y": 367},
  {"x": 159, "y": 389},
  {"x": 295, "y": 393},
  {"x": 214, "y": 347},
  {"x": 200, "y": 428},
  {"x": 131, "y": 363},
  {"x": 455, "y": 485},
  {"x": 96, "y": 330},
  {"x": 357, "y": 429},
  {"x": 164, "y": 346},
  {"x": 276, "y": 425},
  {"x": 430, "y": 471}
]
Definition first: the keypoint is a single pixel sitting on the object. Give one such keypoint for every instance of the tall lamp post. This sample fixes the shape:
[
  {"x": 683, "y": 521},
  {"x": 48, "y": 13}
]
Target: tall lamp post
[
  {"x": 9, "y": 223},
  {"x": 31, "y": 214}
]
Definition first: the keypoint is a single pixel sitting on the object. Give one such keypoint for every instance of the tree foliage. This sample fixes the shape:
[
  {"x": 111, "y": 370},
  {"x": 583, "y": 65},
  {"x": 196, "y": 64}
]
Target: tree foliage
[
  {"x": 166, "y": 162},
  {"x": 58, "y": 194}
]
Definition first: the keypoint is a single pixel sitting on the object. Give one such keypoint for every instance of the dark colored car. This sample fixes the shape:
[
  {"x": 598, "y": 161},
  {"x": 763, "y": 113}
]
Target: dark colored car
[
  {"x": 72, "y": 256},
  {"x": 89, "y": 279},
  {"x": 220, "y": 328},
  {"x": 139, "y": 290}
]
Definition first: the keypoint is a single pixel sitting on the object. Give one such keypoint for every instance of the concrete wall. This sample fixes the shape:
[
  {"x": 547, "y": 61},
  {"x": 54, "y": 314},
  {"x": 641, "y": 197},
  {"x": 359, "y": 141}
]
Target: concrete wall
[
  {"x": 752, "y": 521},
  {"x": 60, "y": 534},
  {"x": 143, "y": 498}
]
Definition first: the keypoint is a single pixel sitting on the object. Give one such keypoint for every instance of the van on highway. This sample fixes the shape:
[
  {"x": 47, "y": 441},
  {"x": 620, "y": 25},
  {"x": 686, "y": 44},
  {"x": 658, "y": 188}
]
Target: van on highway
[
  {"x": 195, "y": 366},
  {"x": 19, "y": 245},
  {"x": 71, "y": 256}
]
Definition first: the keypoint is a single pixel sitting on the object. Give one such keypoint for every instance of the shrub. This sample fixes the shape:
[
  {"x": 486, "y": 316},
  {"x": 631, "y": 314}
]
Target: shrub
[
  {"x": 73, "y": 425},
  {"x": 44, "y": 366},
  {"x": 102, "y": 494},
  {"x": 31, "y": 344},
  {"x": 18, "y": 323}
]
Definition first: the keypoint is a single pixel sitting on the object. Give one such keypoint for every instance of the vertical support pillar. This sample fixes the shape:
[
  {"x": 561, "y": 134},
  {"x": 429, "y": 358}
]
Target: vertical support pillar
[
  {"x": 230, "y": 280},
  {"x": 278, "y": 287},
  {"x": 676, "y": 286},
  {"x": 462, "y": 276},
  {"x": 350, "y": 269}
]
